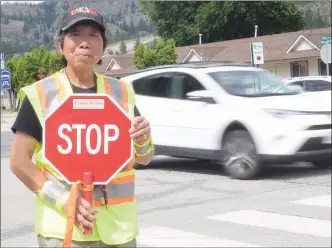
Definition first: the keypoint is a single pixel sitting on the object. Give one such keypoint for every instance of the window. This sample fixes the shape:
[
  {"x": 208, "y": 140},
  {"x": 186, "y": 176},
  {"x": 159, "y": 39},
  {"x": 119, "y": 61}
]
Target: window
[
  {"x": 317, "y": 85},
  {"x": 299, "y": 68},
  {"x": 156, "y": 86},
  {"x": 322, "y": 68},
  {"x": 299, "y": 83},
  {"x": 250, "y": 83},
  {"x": 182, "y": 84},
  {"x": 167, "y": 85}
]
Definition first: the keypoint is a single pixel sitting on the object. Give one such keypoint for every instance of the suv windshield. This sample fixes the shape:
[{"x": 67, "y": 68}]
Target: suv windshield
[{"x": 251, "y": 83}]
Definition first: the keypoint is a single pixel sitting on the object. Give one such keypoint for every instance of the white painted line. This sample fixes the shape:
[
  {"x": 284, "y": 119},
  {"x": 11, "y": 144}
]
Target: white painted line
[
  {"x": 288, "y": 223},
  {"x": 156, "y": 236},
  {"x": 319, "y": 201}
]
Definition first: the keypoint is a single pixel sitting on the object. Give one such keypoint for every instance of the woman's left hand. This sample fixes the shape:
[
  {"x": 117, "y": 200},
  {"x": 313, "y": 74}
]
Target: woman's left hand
[{"x": 140, "y": 130}]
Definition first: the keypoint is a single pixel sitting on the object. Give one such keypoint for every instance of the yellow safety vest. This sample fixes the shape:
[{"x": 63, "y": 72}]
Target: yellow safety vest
[{"x": 117, "y": 222}]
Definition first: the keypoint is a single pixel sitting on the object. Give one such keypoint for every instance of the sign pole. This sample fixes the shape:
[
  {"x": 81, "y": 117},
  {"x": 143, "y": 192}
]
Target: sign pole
[
  {"x": 87, "y": 195},
  {"x": 327, "y": 63},
  {"x": 327, "y": 69},
  {"x": 2, "y": 104}
]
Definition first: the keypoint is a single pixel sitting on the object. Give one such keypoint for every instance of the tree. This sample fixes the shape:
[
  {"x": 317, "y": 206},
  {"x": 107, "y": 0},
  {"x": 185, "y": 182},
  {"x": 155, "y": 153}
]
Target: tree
[
  {"x": 137, "y": 42},
  {"x": 30, "y": 68},
  {"x": 318, "y": 20},
  {"x": 154, "y": 43},
  {"x": 162, "y": 54},
  {"x": 123, "y": 48},
  {"x": 309, "y": 19},
  {"x": 165, "y": 52},
  {"x": 221, "y": 20}
]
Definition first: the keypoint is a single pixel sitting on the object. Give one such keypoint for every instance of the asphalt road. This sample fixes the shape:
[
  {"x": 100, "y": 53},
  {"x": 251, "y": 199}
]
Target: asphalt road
[{"x": 189, "y": 203}]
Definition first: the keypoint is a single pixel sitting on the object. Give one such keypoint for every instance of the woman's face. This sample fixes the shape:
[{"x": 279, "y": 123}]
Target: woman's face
[{"x": 83, "y": 46}]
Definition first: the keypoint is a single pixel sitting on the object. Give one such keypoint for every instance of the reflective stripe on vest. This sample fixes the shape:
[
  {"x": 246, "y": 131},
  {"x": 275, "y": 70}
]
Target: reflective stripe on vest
[{"x": 51, "y": 92}]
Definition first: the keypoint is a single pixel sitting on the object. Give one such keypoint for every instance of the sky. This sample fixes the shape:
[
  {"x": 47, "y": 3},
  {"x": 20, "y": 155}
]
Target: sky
[{"x": 33, "y": 2}]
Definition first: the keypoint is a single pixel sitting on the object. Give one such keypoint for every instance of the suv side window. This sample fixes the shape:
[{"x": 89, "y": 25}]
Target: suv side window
[
  {"x": 317, "y": 85},
  {"x": 183, "y": 84},
  {"x": 155, "y": 86},
  {"x": 299, "y": 83}
]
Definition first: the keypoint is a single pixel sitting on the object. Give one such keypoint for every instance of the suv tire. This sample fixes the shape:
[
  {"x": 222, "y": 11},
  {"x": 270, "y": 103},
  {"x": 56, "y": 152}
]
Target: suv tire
[{"x": 239, "y": 158}]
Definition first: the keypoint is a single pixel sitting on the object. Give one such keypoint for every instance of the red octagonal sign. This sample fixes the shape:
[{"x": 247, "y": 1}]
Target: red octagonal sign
[{"x": 88, "y": 133}]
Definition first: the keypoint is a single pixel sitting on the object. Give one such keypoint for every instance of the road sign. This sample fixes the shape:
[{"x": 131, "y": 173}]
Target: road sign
[
  {"x": 2, "y": 61},
  {"x": 325, "y": 55},
  {"x": 257, "y": 53},
  {"x": 5, "y": 79},
  {"x": 88, "y": 133},
  {"x": 325, "y": 40}
]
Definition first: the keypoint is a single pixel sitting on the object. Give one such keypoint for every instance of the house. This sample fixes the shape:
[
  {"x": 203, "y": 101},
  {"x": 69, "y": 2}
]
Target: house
[{"x": 287, "y": 54}]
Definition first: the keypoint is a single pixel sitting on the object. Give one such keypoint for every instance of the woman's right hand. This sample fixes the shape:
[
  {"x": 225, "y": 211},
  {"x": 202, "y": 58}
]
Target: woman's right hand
[{"x": 85, "y": 213}]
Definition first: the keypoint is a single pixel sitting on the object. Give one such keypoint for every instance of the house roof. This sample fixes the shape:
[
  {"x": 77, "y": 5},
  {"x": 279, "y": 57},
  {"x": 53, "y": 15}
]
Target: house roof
[
  {"x": 124, "y": 61},
  {"x": 275, "y": 49}
]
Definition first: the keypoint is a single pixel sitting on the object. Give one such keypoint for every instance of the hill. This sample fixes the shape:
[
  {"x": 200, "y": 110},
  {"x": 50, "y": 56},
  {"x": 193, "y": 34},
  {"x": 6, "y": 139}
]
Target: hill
[{"x": 25, "y": 26}]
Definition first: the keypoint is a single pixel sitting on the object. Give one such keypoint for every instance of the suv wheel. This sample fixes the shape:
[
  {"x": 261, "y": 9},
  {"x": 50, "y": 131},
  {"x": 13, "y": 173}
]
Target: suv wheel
[{"x": 239, "y": 158}]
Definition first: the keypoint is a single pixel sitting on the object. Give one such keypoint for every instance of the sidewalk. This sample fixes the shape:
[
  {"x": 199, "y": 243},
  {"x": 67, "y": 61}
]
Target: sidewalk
[{"x": 7, "y": 121}]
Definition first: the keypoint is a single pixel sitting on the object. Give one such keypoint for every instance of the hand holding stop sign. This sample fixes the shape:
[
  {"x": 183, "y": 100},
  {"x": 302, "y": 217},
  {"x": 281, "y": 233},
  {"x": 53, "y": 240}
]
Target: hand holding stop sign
[
  {"x": 85, "y": 212},
  {"x": 141, "y": 129}
]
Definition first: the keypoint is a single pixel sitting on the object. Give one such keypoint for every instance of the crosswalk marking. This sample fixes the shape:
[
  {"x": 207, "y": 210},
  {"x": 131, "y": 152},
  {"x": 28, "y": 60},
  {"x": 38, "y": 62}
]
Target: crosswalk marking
[
  {"x": 157, "y": 236},
  {"x": 288, "y": 223},
  {"x": 319, "y": 201}
]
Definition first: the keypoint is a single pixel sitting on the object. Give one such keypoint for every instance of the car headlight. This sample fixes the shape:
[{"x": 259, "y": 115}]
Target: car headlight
[{"x": 284, "y": 113}]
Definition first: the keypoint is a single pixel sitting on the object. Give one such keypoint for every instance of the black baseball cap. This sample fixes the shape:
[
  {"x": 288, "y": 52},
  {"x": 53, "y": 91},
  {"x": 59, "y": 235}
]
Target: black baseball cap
[{"x": 76, "y": 15}]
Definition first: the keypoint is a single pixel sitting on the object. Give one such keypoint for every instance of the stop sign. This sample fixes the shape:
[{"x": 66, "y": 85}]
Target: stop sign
[{"x": 88, "y": 133}]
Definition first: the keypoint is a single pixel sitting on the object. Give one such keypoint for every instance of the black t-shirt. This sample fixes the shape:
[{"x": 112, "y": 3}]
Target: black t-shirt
[{"x": 27, "y": 120}]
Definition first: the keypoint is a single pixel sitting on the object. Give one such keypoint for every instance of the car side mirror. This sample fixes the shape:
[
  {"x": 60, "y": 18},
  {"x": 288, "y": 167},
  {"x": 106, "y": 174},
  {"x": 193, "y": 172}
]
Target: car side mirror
[{"x": 201, "y": 96}]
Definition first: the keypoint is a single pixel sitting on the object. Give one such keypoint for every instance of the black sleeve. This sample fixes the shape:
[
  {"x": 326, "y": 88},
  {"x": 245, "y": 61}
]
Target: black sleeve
[
  {"x": 136, "y": 112},
  {"x": 27, "y": 121}
]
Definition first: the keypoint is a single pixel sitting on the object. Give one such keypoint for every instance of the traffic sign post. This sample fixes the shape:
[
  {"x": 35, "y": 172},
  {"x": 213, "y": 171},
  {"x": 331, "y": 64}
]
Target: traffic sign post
[
  {"x": 5, "y": 79},
  {"x": 257, "y": 53},
  {"x": 325, "y": 40},
  {"x": 325, "y": 52},
  {"x": 87, "y": 139},
  {"x": 5, "y": 84},
  {"x": 2, "y": 61}
]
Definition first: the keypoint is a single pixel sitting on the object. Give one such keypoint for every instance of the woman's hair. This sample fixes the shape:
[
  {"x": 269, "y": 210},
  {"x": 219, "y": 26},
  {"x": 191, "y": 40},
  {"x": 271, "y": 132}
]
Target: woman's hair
[{"x": 62, "y": 35}]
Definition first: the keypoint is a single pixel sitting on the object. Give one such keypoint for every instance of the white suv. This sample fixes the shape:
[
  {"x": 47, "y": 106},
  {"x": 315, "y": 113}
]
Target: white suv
[
  {"x": 238, "y": 115},
  {"x": 310, "y": 83}
]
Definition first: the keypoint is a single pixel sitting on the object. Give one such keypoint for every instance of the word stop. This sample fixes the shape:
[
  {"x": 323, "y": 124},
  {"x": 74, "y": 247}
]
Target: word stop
[{"x": 102, "y": 138}]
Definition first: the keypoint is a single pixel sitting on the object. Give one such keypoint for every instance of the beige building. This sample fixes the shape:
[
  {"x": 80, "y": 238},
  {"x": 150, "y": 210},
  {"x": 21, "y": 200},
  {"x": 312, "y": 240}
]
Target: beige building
[{"x": 287, "y": 55}]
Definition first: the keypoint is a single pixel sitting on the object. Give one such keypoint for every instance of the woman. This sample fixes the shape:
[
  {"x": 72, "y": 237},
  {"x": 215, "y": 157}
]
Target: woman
[{"x": 81, "y": 41}]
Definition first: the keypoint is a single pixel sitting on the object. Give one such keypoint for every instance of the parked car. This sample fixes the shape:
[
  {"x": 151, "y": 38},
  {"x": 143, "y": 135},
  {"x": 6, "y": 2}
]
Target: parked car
[
  {"x": 240, "y": 116},
  {"x": 310, "y": 83}
]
